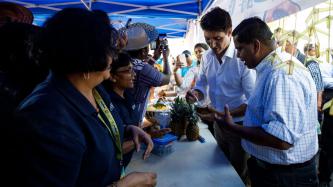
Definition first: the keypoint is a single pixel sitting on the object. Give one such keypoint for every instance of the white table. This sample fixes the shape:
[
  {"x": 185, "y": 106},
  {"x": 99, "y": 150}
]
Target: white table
[{"x": 192, "y": 164}]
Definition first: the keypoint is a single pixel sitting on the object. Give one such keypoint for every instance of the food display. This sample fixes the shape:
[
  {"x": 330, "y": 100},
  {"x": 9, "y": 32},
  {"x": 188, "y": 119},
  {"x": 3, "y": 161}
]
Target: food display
[{"x": 160, "y": 105}]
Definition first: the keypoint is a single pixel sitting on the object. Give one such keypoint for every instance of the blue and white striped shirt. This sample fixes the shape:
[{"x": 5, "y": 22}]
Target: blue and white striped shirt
[
  {"x": 314, "y": 69},
  {"x": 285, "y": 106}
]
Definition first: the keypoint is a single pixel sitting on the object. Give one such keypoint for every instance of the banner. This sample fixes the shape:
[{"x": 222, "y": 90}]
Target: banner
[{"x": 268, "y": 10}]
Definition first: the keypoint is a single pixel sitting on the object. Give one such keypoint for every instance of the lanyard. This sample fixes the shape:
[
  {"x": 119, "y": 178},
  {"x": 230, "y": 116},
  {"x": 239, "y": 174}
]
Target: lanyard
[{"x": 110, "y": 125}]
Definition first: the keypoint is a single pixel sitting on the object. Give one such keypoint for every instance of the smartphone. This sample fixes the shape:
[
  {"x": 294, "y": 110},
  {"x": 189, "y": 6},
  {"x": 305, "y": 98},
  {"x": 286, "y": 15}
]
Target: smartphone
[{"x": 182, "y": 59}]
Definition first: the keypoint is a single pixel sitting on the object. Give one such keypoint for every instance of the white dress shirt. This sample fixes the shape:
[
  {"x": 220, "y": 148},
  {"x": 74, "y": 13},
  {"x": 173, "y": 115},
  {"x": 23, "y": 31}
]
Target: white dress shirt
[
  {"x": 285, "y": 106},
  {"x": 230, "y": 82}
]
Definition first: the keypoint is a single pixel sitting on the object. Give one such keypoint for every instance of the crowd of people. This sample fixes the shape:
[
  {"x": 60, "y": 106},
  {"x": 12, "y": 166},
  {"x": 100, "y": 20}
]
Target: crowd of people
[{"x": 74, "y": 95}]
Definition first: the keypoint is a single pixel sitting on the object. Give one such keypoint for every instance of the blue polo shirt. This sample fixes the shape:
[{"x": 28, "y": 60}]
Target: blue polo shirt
[
  {"x": 61, "y": 141},
  {"x": 126, "y": 107},
  {"x": 128, "y": 113}
]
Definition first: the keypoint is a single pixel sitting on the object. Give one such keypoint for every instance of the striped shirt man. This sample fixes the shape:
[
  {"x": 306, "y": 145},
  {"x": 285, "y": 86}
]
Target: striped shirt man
[{"x": 283, "y": 105}]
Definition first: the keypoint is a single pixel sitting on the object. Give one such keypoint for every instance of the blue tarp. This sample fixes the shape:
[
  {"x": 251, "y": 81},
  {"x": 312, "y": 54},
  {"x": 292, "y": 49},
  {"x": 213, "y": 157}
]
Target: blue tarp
[{"x": 168, "y": 16}]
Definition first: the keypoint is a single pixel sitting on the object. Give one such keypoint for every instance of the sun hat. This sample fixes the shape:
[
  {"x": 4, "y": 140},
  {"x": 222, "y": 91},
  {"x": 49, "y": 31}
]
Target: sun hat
[
  {"x": 139, "y": 35},
  {"x": 11, "y": 12}
]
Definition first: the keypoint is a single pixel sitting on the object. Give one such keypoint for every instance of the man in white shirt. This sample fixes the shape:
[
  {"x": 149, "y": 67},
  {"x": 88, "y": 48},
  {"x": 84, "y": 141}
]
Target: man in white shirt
[
  {"x": 224, "y": 79},
  {"x": 279, "y": 129}
]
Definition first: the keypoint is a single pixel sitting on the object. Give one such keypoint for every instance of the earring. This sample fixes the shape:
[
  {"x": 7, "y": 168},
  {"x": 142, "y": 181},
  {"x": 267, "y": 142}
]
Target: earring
[
  {"x": 114, "y": 80},
  {"x": 86, "y": 76}
]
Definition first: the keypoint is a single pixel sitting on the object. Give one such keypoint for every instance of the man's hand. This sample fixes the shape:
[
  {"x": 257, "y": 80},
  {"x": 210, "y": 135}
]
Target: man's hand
[
  {"x": 224, "y": 120},
  {"x": 192, "y": 96},
  {"x": 157, "y": 52},
  {"x": 210, "y": 117},
  {"x": 138, "y": 134},
  {"x": 138, "y": 179},
  {"x": 166, "y": 53}
]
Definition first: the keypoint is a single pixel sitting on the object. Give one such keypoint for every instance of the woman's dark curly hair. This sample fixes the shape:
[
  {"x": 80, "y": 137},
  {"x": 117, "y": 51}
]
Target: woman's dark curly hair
[{"x": 77, "y": 40}]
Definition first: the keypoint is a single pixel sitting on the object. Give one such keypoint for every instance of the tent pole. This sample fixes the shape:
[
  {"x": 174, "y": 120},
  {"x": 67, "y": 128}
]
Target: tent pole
[{"x": 85, "y": 4}]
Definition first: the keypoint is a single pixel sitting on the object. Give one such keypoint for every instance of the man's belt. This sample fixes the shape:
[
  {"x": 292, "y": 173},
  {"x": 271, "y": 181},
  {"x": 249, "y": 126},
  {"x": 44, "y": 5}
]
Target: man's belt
[{"x": 267, "y": 165}]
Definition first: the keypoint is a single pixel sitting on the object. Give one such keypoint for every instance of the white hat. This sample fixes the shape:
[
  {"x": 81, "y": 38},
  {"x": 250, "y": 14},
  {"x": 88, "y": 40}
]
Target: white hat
[{"x": 139, "y": 35}]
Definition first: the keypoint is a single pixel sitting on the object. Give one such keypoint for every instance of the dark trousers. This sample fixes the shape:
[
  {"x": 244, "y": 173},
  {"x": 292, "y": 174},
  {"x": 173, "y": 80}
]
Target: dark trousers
[
  {"x": 266, "y": 175},
  {"x": 233, "y": 150},
  {"x": 326, "y": 143}
]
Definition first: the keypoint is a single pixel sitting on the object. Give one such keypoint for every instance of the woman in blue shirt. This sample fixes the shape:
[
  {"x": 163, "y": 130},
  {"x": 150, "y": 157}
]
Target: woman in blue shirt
[
  {"x": 121, "y": 79},
  {"x": 68, "y": 132}
]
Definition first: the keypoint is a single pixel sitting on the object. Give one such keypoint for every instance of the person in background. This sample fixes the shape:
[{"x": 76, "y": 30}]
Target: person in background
[
  {"x": 184, "y": 65},
  {"x": 140, "y": 35},
  {"x": 279, "y": 130},
  {"x": 19, "y": 73},
  {"x": 291, "y": 46},
  {"x": 313, "y": 66},
  {"x": 188, "y": 81},
  {"x": 67, "y": 131},
  {"x": 277, "y": 36},
  {"x": 199, "y": 50},
  {"x": 223, "y": 79},
  {"x": 325, "y": 169}
]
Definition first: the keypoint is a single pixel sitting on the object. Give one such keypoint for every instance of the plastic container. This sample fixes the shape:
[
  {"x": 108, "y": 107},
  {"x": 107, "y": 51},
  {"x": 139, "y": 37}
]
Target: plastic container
[
  {"x": 164, "y": 145},
  {"x": 163, "y": 118}
]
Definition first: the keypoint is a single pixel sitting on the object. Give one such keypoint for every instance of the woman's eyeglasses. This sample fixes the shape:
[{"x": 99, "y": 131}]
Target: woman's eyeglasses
[{"x": 129, "y": 71}]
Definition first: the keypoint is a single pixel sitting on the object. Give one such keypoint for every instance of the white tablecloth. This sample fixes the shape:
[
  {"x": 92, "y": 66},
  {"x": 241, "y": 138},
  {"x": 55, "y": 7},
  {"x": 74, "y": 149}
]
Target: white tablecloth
[{"x": 192, "y": 164}]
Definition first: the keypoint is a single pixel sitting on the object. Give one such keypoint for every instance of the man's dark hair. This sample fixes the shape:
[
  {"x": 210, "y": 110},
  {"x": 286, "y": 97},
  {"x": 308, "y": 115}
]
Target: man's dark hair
[
  {"x": 253, "y": 29},
  {"x": 216, "y": 19},
  {"x": 202, "y": 45},
  {"x": 77, "y": 40}
]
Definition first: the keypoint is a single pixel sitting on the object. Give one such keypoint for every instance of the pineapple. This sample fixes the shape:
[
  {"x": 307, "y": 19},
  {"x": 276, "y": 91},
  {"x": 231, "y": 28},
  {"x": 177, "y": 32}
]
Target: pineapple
[
  {"x": 183, "y": 119},
  {"x": 192, "y": 132},
  {"x": 179, "y": 110}
]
